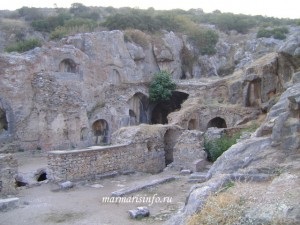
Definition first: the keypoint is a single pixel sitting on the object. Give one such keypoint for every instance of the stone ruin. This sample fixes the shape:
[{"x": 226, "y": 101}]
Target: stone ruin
[{"x": 92, "y": 90}]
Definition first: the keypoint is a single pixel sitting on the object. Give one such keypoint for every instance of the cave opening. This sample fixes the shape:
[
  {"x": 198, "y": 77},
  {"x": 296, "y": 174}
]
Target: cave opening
[
  {"x": 3, "y": 121},
  {"x": 101, "y": 132},
  {"x": 217, "y": 122},
  {"x": 68, "y": 66},
  {"x": 42, "y": 177},
  {"x": 162, "y": 109}
]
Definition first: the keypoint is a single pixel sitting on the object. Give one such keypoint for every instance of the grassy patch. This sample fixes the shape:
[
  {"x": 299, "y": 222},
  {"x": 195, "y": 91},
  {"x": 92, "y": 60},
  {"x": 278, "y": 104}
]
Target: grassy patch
[{"x": 23, "y": 46}]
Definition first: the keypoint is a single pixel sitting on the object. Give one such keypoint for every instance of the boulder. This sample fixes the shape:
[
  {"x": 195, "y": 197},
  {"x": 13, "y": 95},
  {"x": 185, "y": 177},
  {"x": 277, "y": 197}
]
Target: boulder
[{"x": 139, "y": 212}]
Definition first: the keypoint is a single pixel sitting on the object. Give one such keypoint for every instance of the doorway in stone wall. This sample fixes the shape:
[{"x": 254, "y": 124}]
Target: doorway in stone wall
[
  {"x": 101, "y": 132},
  {"x": 170, "y": 139}
]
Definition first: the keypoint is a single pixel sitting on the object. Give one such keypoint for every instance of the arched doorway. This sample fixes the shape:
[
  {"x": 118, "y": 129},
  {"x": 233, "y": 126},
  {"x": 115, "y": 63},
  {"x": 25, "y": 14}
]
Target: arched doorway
[
  {"x": 192, "y": 125},
  {"x": 162, "y": 109},
  {"x": 68, "y": 66},
  {"x": 101, "y": 132},
  {"x": 217, "y": 122},
  {"x": 139, "y": 104}
]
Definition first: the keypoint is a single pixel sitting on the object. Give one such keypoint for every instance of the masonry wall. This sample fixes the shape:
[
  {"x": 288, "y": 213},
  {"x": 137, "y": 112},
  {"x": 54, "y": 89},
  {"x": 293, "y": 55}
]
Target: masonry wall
[
  {"x": 8, "y": 170},
  {"x": 88, "y": 163}
]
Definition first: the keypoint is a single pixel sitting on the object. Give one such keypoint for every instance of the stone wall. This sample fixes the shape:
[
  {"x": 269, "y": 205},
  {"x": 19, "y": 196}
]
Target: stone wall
[
  {"x": 97, "y": 160},
  {"x": 8, "y": 170}
]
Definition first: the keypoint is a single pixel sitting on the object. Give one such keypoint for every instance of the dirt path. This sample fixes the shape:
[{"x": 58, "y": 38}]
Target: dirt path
[{"x": 84, "y": 203}]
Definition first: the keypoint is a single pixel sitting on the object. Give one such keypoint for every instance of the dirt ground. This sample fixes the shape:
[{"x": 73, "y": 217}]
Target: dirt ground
[{"x": 84, "y": 204}]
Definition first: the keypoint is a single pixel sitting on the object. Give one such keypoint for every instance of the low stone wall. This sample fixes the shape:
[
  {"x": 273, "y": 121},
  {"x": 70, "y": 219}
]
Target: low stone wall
[
  {"x": 88, "y": 163},
  {"x": 8, "y": 171}
]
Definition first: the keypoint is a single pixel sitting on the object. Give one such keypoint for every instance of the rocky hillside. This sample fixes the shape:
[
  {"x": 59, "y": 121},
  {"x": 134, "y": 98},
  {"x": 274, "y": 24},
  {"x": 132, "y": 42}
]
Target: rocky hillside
[
  {"x": 86, "y": 80},
  {"x": 78, "y": 90}
]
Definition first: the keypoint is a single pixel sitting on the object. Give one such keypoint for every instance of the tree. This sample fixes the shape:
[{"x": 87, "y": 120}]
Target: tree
[{"x": 161, "y": 87}]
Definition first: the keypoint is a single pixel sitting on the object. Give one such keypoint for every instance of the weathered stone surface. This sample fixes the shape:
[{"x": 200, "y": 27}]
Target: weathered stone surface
[
  {"x": 139, "y": 212},
  {"x": 188, "y": 149},
  {"x": 8, "y": 204},
  {"x": 8, "y": 172},
  {"x": 66, "y": 185},
  {"x": 140, "y": 187}
]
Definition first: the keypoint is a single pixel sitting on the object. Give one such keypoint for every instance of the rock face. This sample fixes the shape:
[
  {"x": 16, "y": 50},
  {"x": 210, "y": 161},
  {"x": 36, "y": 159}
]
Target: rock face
[
  {"x": 271, "y": 152},
  {"x": 78, "y": 91},
  {"x": 8, "y": 171}
]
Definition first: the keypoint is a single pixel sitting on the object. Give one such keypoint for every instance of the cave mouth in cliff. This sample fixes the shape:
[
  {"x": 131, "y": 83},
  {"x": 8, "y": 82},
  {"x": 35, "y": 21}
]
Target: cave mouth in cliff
[
  {"x": 3, "y": 121},
  {"x": 164, "y": 108},
  {"x": 67, "y": 66},
  {"x": 217, "y": 122}
]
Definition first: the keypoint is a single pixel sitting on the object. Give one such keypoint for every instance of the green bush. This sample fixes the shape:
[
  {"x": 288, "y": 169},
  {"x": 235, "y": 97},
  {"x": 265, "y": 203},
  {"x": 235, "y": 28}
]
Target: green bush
[
  {"x": 137, "y": 37},
  {"x": 23, "y": 46},
  {"x": 215, "y": 148},
  {"x": 161, "y": 87},
  {"x": 277, "y": 33},
  {"x": 50, "y": 23},
  {"x": 205, "y": 40}
]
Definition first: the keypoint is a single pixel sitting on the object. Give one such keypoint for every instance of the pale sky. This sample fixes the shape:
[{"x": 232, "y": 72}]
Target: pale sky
[{"x": 275, "y": 8}]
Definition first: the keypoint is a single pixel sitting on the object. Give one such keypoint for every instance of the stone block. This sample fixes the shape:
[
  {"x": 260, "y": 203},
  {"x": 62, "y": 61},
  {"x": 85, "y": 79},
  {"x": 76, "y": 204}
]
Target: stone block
[
  {"x": 8, "y": 204},
  {"x": 199, "y": 165}
]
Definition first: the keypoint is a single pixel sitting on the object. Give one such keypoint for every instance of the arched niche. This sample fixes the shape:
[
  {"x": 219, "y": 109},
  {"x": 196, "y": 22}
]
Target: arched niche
[
  {"x": 217, "y": 122},
  {"x": 101, "y": 132},
  {"x": 192, "y": 124},
  {"x": 68, "y": 66},
  {"x": 139, "y": 105}
]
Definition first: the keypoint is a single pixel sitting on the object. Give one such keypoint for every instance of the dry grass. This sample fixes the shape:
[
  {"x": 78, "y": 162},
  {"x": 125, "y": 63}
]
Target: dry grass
[
  {"x": 12, "y": 25},
  {"x": 137, "y": 36},
  {"x": 222, "y": 208},
  {"x": 233, "y": 204}
]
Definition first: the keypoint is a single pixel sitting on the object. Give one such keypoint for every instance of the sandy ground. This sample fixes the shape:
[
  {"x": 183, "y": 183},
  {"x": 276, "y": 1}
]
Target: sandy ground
[{"x": 84, "y": 204}]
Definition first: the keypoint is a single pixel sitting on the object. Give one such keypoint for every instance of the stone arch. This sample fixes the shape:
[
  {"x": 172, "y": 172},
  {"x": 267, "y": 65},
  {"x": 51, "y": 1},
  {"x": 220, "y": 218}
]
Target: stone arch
[
  {"x": 217, "y": 122},
  {"x": 101, "y": 131},
  {"x": 68, "y": 66},
  {"x": 84, "y": 134},
  {"x": 115, "y": 77},
  {"x": 161, "y": 110},
  {"x": 139, "y": 105},
  {"x": 192, "y": 124}
]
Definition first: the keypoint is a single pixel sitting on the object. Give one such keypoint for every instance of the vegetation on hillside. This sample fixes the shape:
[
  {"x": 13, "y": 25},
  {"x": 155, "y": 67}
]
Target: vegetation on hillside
[
  {"x": 195, "y": 24},
  {"x": 23, "y": 46},
  {"x": 277, "y": 33}
]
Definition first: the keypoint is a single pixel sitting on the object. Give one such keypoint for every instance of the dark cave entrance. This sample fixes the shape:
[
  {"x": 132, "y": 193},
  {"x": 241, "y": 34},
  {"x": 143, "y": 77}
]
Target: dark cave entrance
[
  {"x": 217, "y": 122},
  {"x": 3, "y": 121},
  {"x": 101, "y": 131},
  {"x": 162, "y": 109},
  {"x": 42, "y": 177},
  {"x": 68, "y": 66}
]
